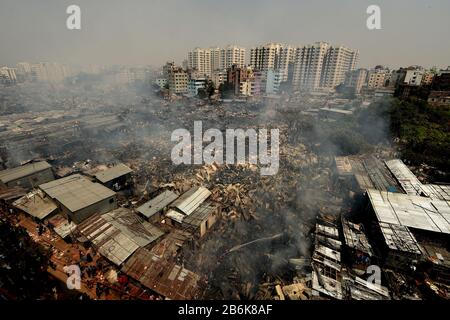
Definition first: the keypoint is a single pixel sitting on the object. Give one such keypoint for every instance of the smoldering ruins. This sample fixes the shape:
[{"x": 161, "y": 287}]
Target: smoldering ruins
[{"x": 87, "y": 173}]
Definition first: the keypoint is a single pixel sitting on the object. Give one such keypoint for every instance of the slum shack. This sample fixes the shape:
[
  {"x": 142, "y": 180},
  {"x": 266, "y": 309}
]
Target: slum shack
[
  {"x": 79, "y": 198},
  {"x": 165, "y": 277},
  {"x": 326, "y": 262},
  {"x": 27, "y": 176},
  {"x": 358, "y": 249},
  {"x": 117, "y": 177},
  {"x": 116, "y": 235},
  {"x": 399, "y": 216},
  {"x": 191, "y": 212},
  {"x": 36, "y": 204},
  {"x": 153, "y": 209}
]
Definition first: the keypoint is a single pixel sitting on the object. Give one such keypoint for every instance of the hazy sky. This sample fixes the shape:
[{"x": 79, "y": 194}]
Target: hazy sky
[{"x": 154, "y": 31}]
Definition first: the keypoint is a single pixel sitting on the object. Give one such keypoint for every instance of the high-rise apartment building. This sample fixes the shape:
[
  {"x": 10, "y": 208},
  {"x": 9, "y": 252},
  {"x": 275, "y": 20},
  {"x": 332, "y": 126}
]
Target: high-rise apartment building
[
  {"x": 7, "y": 75},
  {"x": 272, "y": 56},
  {"x": 200, "y": 59},
  {"x": 49, "y": 71},
  {"x": 337, "y": 62},
  {"x": 216, "y": 60},
  {"x": 232, "y": 55},
  {"x": 322, "y": 66},
  {"x": 308, "y": 65},
  {"x": 211, "y": 59}
]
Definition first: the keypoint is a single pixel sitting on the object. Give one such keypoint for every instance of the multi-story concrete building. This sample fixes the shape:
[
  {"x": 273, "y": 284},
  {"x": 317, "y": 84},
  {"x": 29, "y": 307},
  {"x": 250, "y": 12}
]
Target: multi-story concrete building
[
  {"x": 427, "y": 78},
  {"x": 7, "y": 75},
  {"x": 216, "y": 59},
  {"x": 322, "y": 66},
  {"x": 194, "y": 84},
  {"x": 200, "y": 59},
  {"x": 49, "y": 72},
  {"x": 413, "y": 77},
  {"x": 378, "y": 77},
  {"x": 274, "y": 78},
  {"x": 272, "y": 56},
  {"x": 231, "y": 55},
  {"x": 178, "y": 81},
  {"x": 211, "y": 59},
  {"x": 442, "y": 80},
  {"x": 161, "y": 82},
  {"x": 308, "y": 66},
  {"x": 356, "y": 79},
  {"x": 337, "y": 62},
  {"x": 167, "y": 69},
  {"x": 218, "y": 77},
  {"x": 237, "y": 75}
]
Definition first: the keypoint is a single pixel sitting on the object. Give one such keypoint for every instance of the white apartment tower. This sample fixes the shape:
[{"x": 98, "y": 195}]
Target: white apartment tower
[
  {"x": 216, "y": 60},
  {"x": 272, "y": 56},
  {"x": 338, "y": 61},
  {"x": 208, "y": 60},
  {"x": 308, "y": 65},
  {"x": 200, "y": 59},
  {"x": 322, "y": 66},
  {"x": 231, "y": 55}
]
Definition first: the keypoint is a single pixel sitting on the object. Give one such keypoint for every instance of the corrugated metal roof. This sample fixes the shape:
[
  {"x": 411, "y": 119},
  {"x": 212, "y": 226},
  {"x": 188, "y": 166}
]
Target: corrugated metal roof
[
  {"x": 411, "y": 211},
  {"x": 135, "y": 227},
  {"x": 12, "y": 174},
  {"x": 175, "y": 215},
  {"x": 200, "y": 214},
  {"x": 399, "y": 238},
  {"x": 36, "y": 204},
  {"x": 119, "y": 233},
  {"x": 405, "y": 177},
  {"x": 327, "y": 231},
  {"x": 76, "y": 192},
  {"x": 163, "y": 276},
  {"x": 158, "y": 203},
  {"x": 437, "y": 191},
  {"x": 9, "y": 194},
  {"x": 113, "y": 173},
  {"x": 191, "y": 199}
]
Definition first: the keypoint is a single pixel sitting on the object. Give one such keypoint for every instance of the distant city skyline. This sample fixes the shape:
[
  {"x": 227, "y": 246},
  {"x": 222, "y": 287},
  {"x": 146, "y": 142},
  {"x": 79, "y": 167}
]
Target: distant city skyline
[{"x": 413, "y": 32}]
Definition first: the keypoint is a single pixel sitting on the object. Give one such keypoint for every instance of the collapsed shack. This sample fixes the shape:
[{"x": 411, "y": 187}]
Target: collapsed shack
[
  {"x": 358, "y": 249},
  {"x": 326, "y": 263}
]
